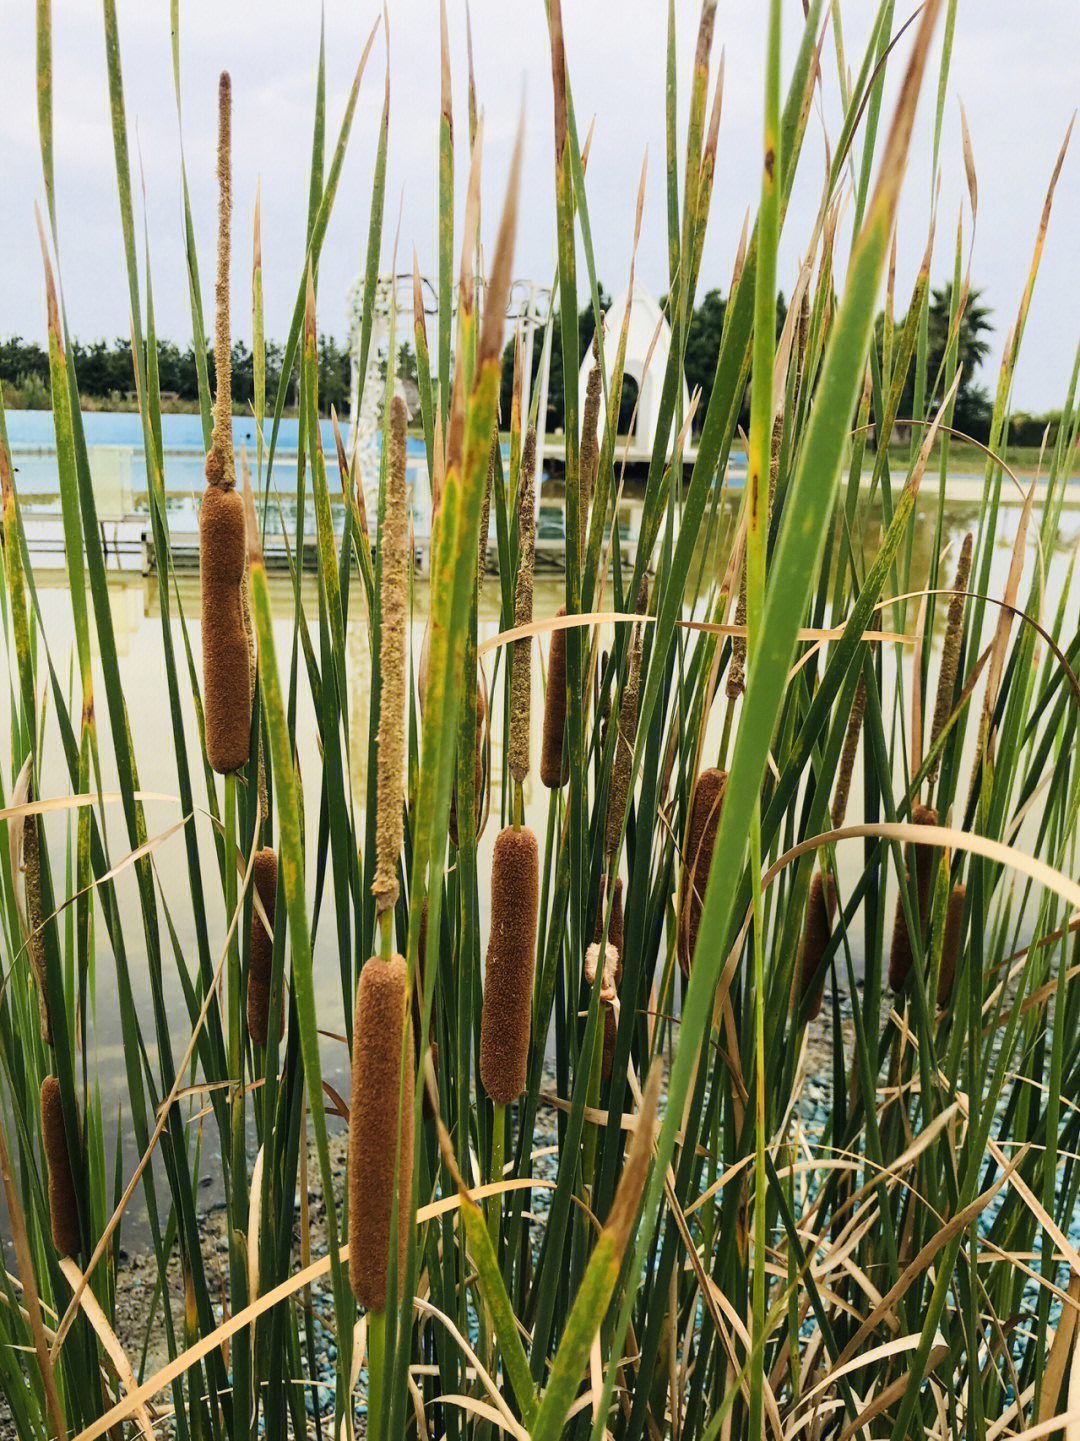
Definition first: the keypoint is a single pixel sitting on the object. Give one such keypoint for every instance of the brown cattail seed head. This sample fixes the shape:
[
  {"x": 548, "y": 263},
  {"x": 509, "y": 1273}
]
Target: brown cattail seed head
[
  {"x": 608, "y": 991},
  {"x": 589, "y": 460},
  {"x": 485, "y": 513},
  {"x": 921, "y": 856},
  {"x": 847, "y": 755},
  {"x": 508, "y": 967},
  {"x": 950, "y": 945},
  {"x": 378, "y": 1129},
  {"x": 521, "y": 682},
  {"x": 615, "y": 924},
  {"x": 552, "y": 771},
  {"x": 706, "y": 803},
  {"x": 950, "y": 653},
  {"x": 264, "y": 877},
  {"x": 817, "y": 930},
  {"x": 35, "y": 917},
  {"x": 226, "y": 664},
  {"x": 623, "y": 760},
  {"x": 63, "y": 1210},
  {"x": 736, "y": 676},
  {"x": 393, "y": 594}
]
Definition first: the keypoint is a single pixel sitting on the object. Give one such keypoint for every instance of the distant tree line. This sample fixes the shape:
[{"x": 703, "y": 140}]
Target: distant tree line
[
  {"x": 972, "y": 410},
  {"x": 105, "y": 374}
]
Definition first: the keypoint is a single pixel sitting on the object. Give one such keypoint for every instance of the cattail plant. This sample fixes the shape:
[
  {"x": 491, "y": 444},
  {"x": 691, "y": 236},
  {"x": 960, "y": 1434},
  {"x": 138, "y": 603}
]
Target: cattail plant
[
  {"x": 706, "y": 802},
  {"x": 847, "y": 755},
  {"x": 222, "y": 543},
  {"x": 518, "y": 751},
  {"x": 608, "y": 996},
  {"x": 479, "y": 769},
  {"x": 950, "y": 654},
  {"x": 553, "y": 771},
  {"x": 35, "y": 917},
  {"x": 381, "y": 1112},
  {"x": 506, "y": 1017},
  {"x": 921, "y": 856},
  {"x": 380, "y": 1131},
  {"x": 508, "y": 967},
  {"x": 389, "y": 818},
  {"x": 63, "y": 1209},
  {"x": 419, "y": 983},
  {"x": 264, "y": 878},
  {"x": 817, "y": 932},
  {"x": 589, "y": 459},
  {"x": 736, "y": 676},
  {"x": 950, "y": 944},
  {"x": 623, "y": 761}
]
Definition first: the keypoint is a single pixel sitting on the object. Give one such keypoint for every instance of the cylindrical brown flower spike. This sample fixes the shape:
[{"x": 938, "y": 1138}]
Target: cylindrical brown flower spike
[
  {"x": 847, "y": 755},
  {"x": 615, "y": 925},
  {"x": 950, "y": 945},
  {"x": 378, "y": 1130},
  {"x": 393, "y": 596},
  {"x": 622, "y": 761},
  {"x": 817, "y": 931},
  {"x": 521, "y": 680},
  {"x": 950, "y": 653},
  {"x": 553, "y": 772},
  {"x": 63, "y": 1209},
  {"x": 902, "y": 955},
  {"x": 222, "y": 538},
  {"x": 264, "y": 878},
  {"x": 508, "y": 968},
  {"x": 35, "y": 917},
  {"x": 705, "y": 806}
]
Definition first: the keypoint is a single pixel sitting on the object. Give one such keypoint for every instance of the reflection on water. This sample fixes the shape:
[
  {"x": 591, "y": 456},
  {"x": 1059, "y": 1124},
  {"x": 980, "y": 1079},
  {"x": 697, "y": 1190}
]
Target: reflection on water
[{"x": 136, "y": 618}]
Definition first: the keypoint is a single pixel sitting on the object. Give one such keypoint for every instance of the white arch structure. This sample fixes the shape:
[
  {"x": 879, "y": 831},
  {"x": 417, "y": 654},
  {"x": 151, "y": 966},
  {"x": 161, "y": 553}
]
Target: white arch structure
[{"x": 648, "y": 346}]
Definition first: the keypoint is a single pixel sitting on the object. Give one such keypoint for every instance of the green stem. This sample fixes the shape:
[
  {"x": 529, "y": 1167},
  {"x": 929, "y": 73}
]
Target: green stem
[
  {"x": 596, "y": 1072},
  {"x": 375, "y": 1368},
  {"x": 386, "y": 933},
  {"x": 238, "y": 1200},
  {"x": 498, "y": 1159}
]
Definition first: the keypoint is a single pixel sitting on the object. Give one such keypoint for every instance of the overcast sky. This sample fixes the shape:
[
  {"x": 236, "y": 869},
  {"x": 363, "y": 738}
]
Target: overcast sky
[{"x": 1016, "y": 67}]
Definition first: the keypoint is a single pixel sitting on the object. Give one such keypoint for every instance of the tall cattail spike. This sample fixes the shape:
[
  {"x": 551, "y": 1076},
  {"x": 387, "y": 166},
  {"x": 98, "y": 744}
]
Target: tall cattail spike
[
  {"x": 817, "y": 931},
  {"x": 624, "y": 749},
  {"x": 222, "y": 447},
  {"x": 847, "y": 755},
  {"x": 589, "y": 459},
  {"x": 950, "y": 944},
  {"x": 553, "y": 772},
  {"x": 950, "y": 653},
  {"x": 379, "y": 1129},
  {"x": 508, "y": 968},
  {"x": 63, "y": 1208},
  {"x": 736, "y": 676},
  {"x": 485, "y": 513},
  {"x": 35, "y": 917},
  {"x": 389, "y": 821},
  {"x": 264, "y": 878},
  {"x": 521, "y": 682},
  {"x": 227, "y": 682},
  {"x": 615, "y": 923},
  {"x": 706, "y": 803},
  {"x": 921, "y": 857}
]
